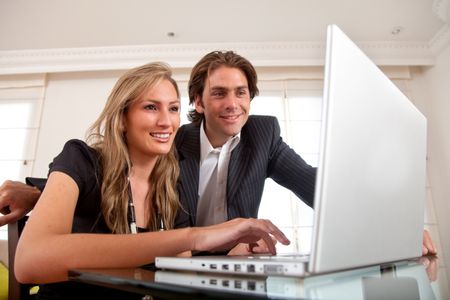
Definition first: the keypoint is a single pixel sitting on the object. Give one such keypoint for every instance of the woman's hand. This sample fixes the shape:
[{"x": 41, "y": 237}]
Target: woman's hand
[
  {"x": 260, "y": 247},
  {"x": 228, "y": 234}
]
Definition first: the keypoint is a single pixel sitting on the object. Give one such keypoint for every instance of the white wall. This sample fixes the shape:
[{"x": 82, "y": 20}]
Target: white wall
[
  {"x": 431, "y": 86},
  {"x": 439, "y": 144},
  {"x": 71, "y": 104}
]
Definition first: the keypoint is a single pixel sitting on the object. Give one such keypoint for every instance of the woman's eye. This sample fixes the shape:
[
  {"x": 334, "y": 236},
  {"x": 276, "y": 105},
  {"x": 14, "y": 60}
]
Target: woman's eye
[
  {"x": 150, "y": 107},
  {"x": 175, "y": 109}
]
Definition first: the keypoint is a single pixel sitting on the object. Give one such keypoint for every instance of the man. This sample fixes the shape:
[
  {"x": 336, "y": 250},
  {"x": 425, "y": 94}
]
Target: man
[{"x": 225, "y": 155}]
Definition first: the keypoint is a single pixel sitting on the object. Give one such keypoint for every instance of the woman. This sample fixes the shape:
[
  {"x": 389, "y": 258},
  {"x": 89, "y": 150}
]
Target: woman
[{"x": 121, "y": 182}]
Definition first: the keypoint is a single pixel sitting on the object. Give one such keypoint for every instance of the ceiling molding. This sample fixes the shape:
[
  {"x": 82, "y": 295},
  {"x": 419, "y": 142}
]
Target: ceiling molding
[
  {"x": 441, "y": 40},
  {"x": 186, "y": 55},
  {"x": 441, "y": 8}
]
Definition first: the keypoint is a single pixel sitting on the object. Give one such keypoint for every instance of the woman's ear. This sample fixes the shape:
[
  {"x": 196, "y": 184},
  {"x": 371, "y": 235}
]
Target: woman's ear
[{"x": 123, "y": 125}]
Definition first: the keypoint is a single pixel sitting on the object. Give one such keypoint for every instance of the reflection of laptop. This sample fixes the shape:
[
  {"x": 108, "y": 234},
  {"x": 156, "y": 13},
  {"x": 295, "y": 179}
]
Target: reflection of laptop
[
  {"x": 370, "y": 189},
  {"x": 391, "y": 281},
  {"x": 239, "y": 284},
  {"x": 271, "y": 286}
]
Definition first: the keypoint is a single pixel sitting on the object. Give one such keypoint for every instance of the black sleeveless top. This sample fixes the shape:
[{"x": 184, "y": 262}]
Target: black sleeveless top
[{"x": 82, "y": 164}]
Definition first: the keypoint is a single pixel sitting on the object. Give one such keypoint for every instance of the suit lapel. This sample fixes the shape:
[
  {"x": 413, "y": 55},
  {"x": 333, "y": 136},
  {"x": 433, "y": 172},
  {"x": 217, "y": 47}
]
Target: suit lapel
[
  {"x": 239, "y": 160},
  {"x": 188, "y": 147}
]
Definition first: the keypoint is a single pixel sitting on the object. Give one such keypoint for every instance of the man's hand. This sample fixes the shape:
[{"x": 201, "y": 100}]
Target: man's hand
[
  {"x": 428, "y": 247},
  {"x": 16, "y": 200}
]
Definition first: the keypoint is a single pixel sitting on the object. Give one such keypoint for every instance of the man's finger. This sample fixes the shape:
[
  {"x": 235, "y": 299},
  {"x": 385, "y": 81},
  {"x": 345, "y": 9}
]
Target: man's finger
[
  {"x": 9, "y": 218},
  {"x": 428, "y": 245}
]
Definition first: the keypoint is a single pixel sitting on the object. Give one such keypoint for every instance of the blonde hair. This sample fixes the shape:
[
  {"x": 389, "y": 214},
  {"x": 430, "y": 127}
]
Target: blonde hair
[{"x": 107, "y": 136}]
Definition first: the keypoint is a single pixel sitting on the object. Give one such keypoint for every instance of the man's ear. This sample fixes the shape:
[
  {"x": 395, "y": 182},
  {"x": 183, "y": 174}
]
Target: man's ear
[{"x": 198, "y": 104}]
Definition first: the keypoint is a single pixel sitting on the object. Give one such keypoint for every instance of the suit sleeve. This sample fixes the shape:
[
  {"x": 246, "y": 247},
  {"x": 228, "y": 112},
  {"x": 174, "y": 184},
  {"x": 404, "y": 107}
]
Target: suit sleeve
[
  {"x": 288, "y": 169},
  {"x": 36, "y": 182}
]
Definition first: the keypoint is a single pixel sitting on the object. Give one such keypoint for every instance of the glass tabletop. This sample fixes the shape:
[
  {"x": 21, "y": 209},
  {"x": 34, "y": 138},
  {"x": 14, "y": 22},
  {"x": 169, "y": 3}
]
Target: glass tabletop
[{"x": 413, "y": 279}]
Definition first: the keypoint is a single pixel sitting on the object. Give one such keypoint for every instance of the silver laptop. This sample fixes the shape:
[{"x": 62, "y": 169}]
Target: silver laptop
[{"x": 370, "y": 189}]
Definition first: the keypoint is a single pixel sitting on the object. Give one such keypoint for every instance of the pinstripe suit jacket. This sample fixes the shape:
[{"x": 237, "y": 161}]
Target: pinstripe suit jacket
[{"x": 261, "y": 153}]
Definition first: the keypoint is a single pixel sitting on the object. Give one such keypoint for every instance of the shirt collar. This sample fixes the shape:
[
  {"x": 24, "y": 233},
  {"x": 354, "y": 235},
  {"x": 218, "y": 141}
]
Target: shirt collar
[{"x": 206, "y": 147}]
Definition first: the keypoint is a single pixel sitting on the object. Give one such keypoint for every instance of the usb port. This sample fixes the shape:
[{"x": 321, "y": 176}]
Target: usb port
[
  {"x": 237, "y": 268},
  {"x": 251, "y": 285},
  {"x": 225, "y": 267},
  {"x": 213, "y": 281},
  {"x": 213, "y": 266},
  {"x": 225, "y": 283}
]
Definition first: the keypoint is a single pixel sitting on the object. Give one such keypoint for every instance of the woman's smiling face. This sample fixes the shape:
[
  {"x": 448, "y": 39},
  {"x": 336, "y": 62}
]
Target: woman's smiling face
[{"x": 152, "y": 121}]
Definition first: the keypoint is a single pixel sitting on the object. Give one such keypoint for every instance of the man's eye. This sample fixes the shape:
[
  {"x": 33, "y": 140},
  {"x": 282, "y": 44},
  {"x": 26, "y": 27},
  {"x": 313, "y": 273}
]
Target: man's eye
[
  {"x": 175, "y": 109},
  {"x": 150, "y": 107},
  {"x": 242, "y": 93},
  {"x": 218, "y": 94}
]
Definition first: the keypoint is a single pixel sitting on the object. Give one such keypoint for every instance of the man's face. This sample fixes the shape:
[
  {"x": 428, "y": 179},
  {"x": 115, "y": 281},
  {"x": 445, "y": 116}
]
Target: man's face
[{"x": 225, "y": 104}]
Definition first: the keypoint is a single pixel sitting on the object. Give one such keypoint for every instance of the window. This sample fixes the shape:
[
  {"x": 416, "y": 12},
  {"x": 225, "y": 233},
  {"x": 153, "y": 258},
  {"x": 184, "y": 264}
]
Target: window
[
  {"x": 20, "y": 106},
  {"x": 297, "y": 106}
]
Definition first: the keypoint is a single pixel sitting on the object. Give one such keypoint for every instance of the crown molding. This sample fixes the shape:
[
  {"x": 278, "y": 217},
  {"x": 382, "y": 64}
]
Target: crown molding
[
  {"x": 186, "y": 55},
  {"x": 441, "y": 40},
  {"x": 441, "y": 8}
]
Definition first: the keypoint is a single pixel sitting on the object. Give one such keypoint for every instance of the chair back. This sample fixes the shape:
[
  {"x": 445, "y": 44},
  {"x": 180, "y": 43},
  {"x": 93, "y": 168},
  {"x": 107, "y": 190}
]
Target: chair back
[{"x": 16, "y": 290}]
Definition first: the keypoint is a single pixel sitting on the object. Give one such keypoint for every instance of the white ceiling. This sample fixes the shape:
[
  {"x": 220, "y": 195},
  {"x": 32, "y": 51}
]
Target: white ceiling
[
  {"x": 43, "y": 24},
  {"x": 40, "y": 36}
]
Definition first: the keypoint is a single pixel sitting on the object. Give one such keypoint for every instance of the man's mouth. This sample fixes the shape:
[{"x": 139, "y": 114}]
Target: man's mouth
[{"x": 230, "y": 117}]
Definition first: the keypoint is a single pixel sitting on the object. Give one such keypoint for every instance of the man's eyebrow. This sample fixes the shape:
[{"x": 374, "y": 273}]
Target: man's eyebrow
[
  {"x": 218, "y": 88},
  {"x": 225, "y": 88}
]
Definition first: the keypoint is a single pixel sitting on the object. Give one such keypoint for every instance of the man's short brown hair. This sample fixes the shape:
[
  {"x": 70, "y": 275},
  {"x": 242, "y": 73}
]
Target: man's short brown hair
[{"x": 207, "y": 65}]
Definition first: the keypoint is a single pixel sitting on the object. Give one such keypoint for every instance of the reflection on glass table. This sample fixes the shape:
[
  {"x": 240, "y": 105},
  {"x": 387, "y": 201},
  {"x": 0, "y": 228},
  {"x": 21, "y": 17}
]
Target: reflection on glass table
[
  {"x": 414, "y": 279},
  {"x": 406, "y": 280}
]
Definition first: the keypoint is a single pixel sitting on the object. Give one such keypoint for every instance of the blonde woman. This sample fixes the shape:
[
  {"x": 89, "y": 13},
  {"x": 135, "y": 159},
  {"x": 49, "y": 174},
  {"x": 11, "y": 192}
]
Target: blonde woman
[{"x": 122, "y": 181}]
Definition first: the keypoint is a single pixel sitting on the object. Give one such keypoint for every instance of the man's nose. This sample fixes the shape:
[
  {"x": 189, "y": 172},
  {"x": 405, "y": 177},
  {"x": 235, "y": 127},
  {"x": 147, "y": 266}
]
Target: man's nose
[{"x": 232, "y": 102}]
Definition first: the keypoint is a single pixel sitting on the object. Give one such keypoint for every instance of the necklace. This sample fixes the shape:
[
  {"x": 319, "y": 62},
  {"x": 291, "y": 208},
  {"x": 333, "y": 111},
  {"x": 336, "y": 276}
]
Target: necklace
[{"x": 132, "y": 213}]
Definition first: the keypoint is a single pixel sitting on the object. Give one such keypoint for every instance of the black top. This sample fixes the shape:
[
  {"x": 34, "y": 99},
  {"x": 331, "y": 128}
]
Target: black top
[{"x": 81, "y": 163}]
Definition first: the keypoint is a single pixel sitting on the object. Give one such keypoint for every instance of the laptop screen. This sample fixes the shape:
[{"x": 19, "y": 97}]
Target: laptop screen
[{"x": 370, "y": 189}]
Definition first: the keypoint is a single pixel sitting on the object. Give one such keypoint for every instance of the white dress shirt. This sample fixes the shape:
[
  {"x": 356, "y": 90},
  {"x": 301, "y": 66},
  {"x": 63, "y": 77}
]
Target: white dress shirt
[{"x": 212, "y": 188}]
